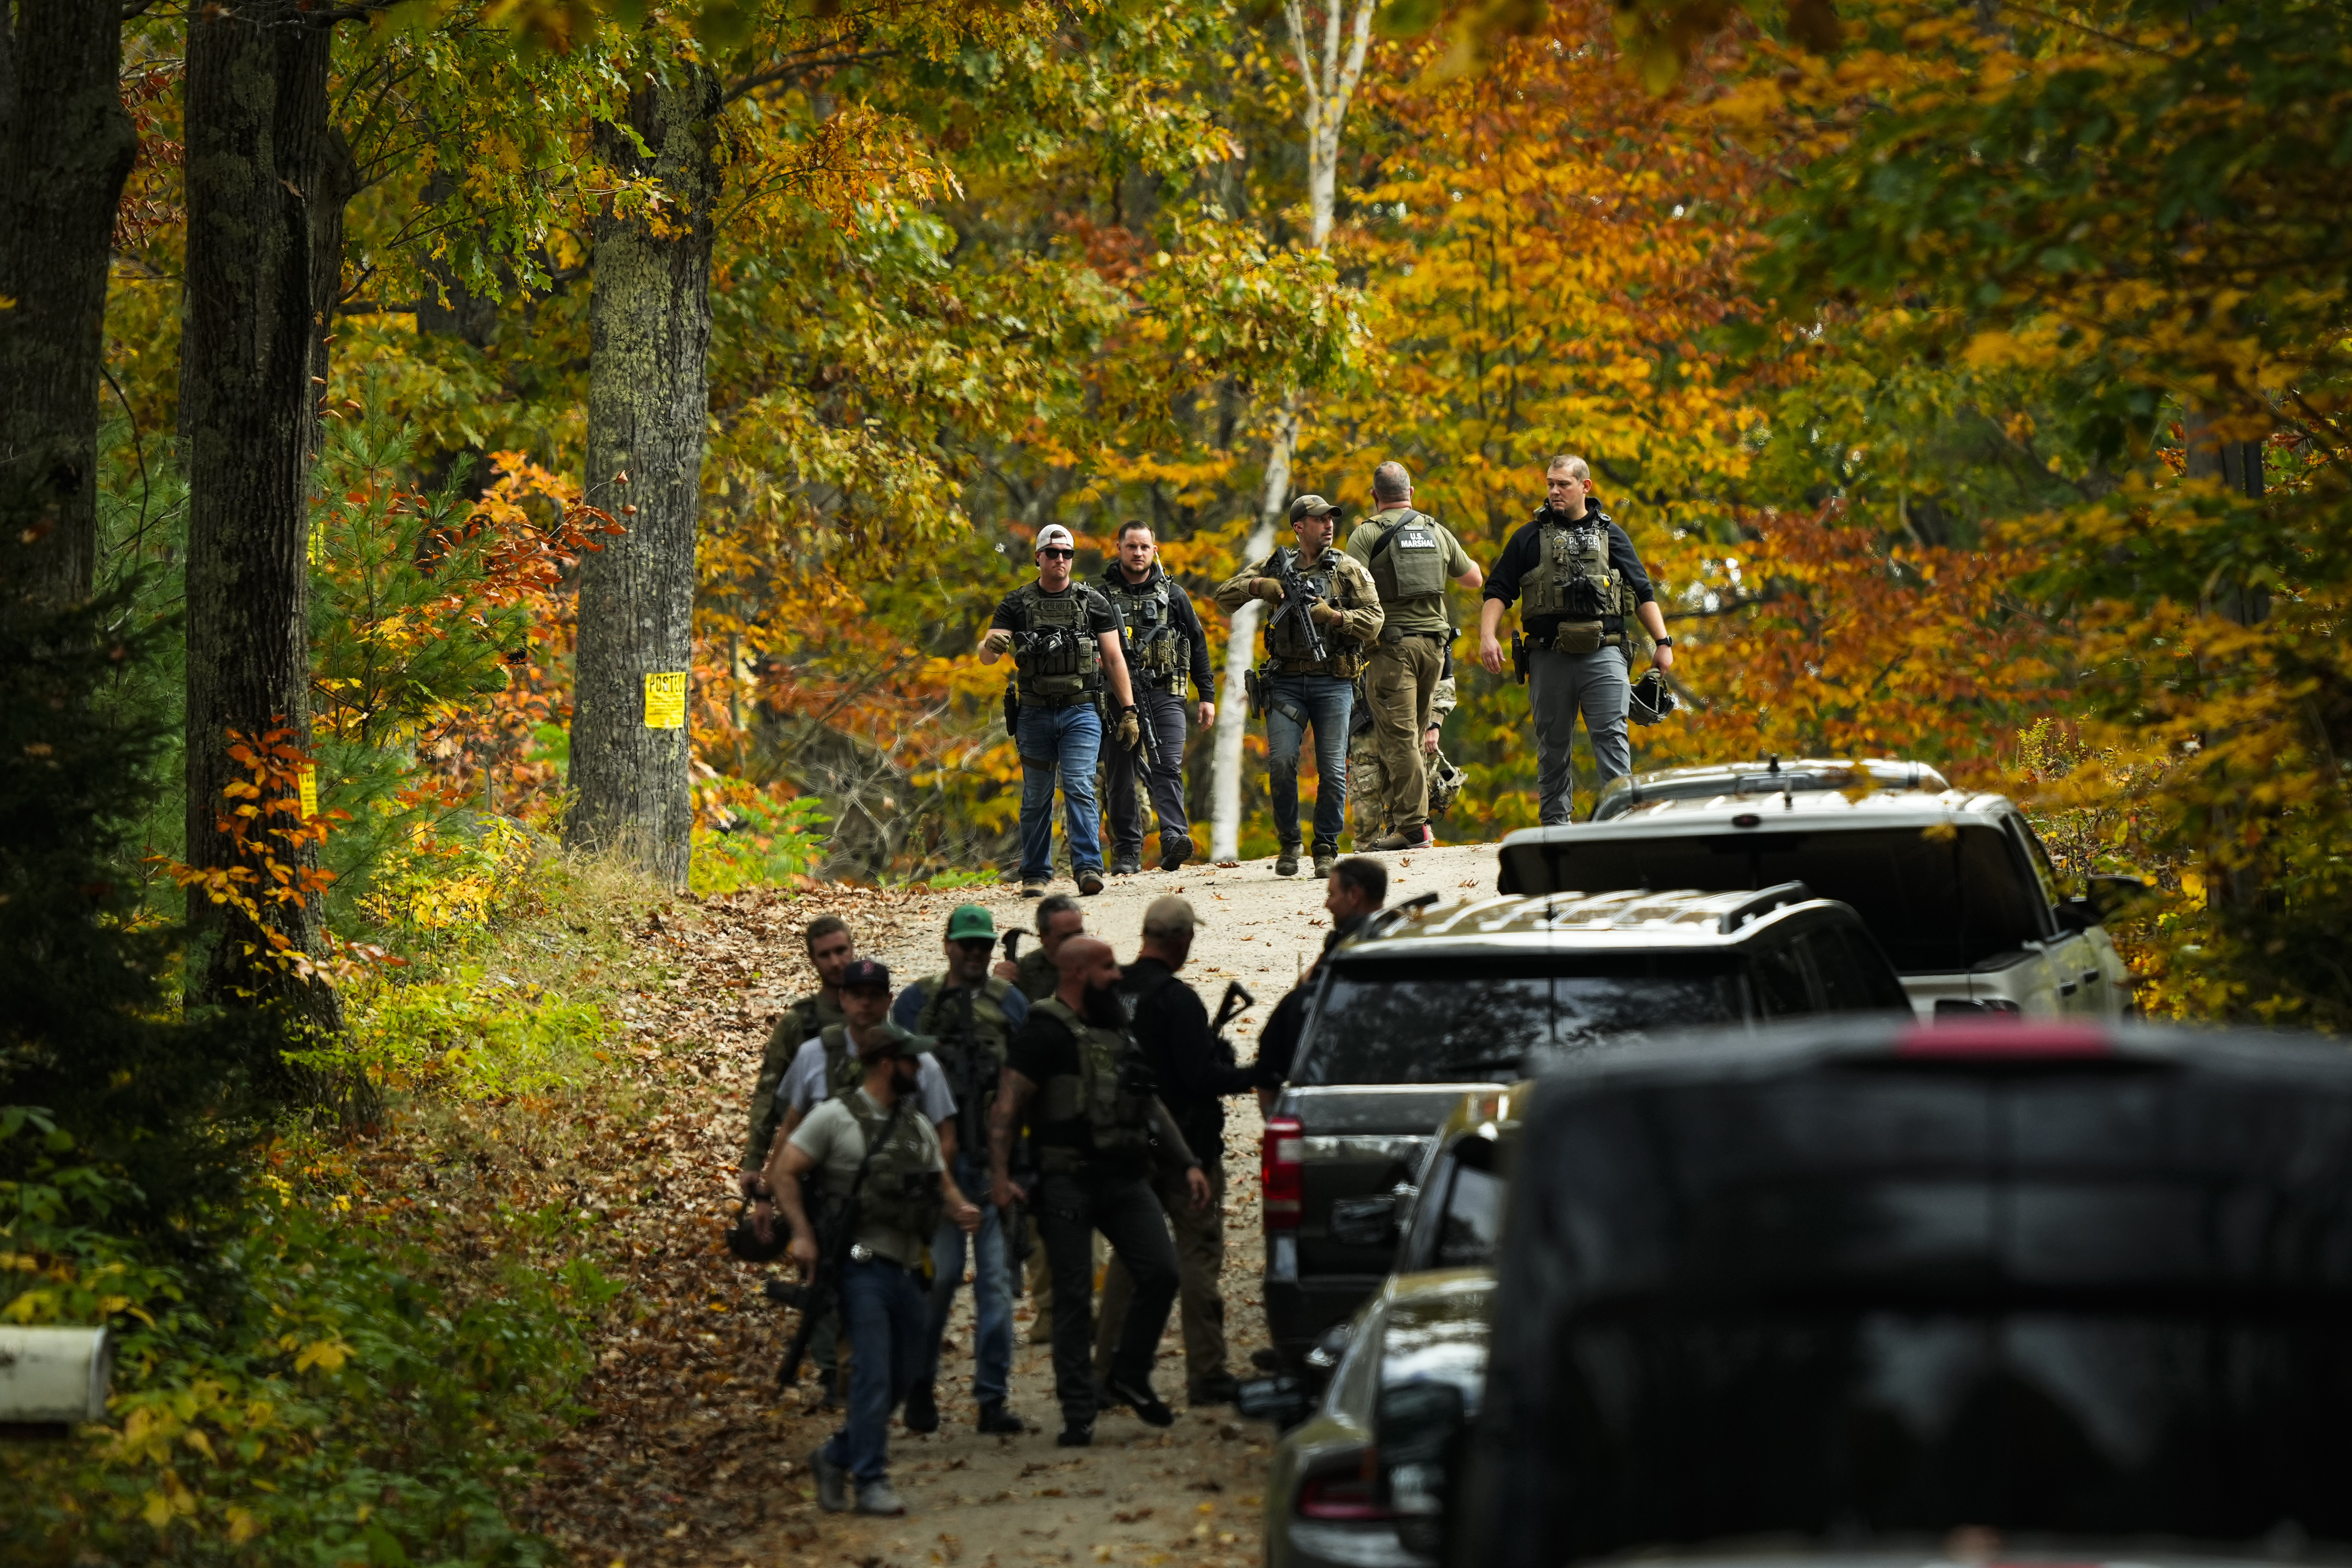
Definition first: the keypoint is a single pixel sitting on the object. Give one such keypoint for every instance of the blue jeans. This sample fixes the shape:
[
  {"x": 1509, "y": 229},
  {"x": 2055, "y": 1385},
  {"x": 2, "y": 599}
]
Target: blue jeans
[
  {"x": 992, "y": 1293},
  {"x": 1297, "y": 702},
  {"x": 1068, "y": 739},
  {"x": 882, "y": 1310}
]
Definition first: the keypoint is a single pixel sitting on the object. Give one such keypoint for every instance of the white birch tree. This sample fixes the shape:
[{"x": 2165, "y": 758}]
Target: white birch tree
[{"x": 1330, "y": 67}]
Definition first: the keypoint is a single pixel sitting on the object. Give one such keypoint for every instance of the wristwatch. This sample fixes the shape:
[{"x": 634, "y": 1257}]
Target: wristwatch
[{"x": 1661, "y": 642}]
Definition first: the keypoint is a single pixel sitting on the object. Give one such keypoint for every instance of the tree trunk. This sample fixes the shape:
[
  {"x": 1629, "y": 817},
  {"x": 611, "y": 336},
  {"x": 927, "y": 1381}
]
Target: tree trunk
[
  {"x": 65, "y": 146},
  {"x": 1233, "y": 707},
  {"x": 258, "y": 158},
  {"x": 649, "y": 335}
]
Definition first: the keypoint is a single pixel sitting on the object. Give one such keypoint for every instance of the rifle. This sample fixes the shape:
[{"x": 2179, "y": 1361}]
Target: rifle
[
  {"x": 1013, "y": 943},
  {"x": 1299, "y": 598},
  {"x": 1237, "y": 1001}
]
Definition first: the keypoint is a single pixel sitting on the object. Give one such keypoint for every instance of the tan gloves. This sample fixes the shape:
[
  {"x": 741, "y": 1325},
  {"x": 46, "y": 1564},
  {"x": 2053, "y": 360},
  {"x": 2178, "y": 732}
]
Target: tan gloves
[
  {"x": 1127, "y": 731},
  {"x": 1266, "y": 588},
  {"x": 1325, "y": 614}
]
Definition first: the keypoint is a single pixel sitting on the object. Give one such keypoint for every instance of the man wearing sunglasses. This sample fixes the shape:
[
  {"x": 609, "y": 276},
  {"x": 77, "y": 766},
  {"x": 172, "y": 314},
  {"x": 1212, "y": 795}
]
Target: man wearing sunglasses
[
  {"x": 1064, "y": 639},
  {"x": 969, "y": 1015}
]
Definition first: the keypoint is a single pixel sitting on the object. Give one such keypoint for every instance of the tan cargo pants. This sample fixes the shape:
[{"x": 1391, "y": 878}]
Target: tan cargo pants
[
  {"x": 1400, "y": 681},
  {"x": 1200, "y": 1259}
]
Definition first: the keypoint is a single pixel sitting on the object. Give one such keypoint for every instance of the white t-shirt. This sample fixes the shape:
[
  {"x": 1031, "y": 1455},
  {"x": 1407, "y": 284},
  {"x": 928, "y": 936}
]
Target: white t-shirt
[{"x": 805, "y": 1085}]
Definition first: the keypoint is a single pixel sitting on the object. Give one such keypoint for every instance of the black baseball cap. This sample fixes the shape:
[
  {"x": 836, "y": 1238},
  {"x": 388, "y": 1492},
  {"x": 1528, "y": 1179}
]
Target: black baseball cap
[{"x": 865, "y": 974}]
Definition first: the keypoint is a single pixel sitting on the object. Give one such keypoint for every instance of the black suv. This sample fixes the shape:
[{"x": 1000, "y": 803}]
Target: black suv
[
  {"x": 1847, "y": 1282},
  {"x": 1405, "y": 1020}
]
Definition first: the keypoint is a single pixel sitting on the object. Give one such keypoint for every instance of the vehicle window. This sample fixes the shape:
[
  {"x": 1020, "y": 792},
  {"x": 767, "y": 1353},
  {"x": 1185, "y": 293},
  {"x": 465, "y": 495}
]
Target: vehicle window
[
  {"x": 1476, "y": 1020},
  {"x": 1470, "y": 1231},
  {"x": 2055, "y": 887},
  {"x": 1779, "y": 976},
  {"x": 1852, "y": 973},
  {"x": 1934, "y": 904}
]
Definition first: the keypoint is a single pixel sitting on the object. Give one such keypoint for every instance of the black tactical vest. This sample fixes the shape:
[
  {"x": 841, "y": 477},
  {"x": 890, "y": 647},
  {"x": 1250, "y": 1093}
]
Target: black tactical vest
[
  {"x": 1154, "y": 644},
  {"x": 1111, "y": 1089},
  {"x": 1058, "y": 658}
]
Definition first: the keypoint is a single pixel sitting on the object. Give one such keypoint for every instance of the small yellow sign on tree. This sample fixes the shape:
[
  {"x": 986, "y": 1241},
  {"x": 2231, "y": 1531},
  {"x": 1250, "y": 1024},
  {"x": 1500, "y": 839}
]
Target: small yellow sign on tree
[
  {"x": 665, "y": 701},
  {"x": 310, "y": 792}
]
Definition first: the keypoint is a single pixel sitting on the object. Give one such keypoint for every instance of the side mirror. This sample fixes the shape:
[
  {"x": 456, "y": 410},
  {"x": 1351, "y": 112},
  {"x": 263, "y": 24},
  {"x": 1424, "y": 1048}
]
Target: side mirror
[
  {"x": 2108, "y": 896},
  {"x": 1281, "y": 1400},
  {"x": 1417, "y": 1430},
  {"x": 1365, "y": 1222},
  {"x": 2077, "y": 914}
]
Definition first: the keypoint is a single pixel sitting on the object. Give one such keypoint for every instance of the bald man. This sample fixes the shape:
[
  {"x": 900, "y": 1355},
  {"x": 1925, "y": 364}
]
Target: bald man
[{"x": 1094, "y": 1155}]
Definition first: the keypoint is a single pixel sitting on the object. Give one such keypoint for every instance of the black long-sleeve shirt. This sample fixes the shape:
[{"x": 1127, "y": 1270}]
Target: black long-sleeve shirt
[
  {"x": 1524, "y": 554},
  {"x": 1183, "y": 617},
  {"x": 1195, "y": 1070}
]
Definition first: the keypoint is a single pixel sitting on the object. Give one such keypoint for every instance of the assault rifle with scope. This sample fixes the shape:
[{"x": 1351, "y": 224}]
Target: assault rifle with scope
[{"x": 1299, "y": 598}]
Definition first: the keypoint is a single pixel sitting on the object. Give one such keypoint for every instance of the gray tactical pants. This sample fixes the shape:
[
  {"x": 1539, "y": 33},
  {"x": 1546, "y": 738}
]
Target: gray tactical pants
[{"x": 1559, "y": 686}]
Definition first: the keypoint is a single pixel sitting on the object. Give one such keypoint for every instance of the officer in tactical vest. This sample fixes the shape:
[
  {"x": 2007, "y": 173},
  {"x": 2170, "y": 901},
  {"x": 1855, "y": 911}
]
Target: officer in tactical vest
[
  {"x": 969, "y": 1015},
  {"x": 1077, "y": 1078},
  {"x": 873, "y": 1143},
  {"x": 1164, "y": 645},
  {"x": 1195, "y": 1068},
  {"x": 1059, "y": 918},
  {"x": 1412, "y": 556},
  {"x": 1064, "y": 639},
  {"x": 1581, "y": 589},
  {"x": 1367, "y": 791},
  {"x": 1298, "y": 690},
  {"x": 830, "y": 950}
]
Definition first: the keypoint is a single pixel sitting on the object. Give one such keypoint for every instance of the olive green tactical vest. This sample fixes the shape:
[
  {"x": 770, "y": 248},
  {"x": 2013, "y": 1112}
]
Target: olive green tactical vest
[
  {"x": 842, "y": 1071},
  {"x": 1057, "y": 658},
  {"x": 1407, "y": 558},
  {"x": 972, "y": 1062},
  {"x": 902, "y": 1181},
  {"x": 1575, "y": 582},
  {"x": 1289, "y": 640},
  {"x": 1108, "y": 1089},
  {"x": 1155, "y": 648}
]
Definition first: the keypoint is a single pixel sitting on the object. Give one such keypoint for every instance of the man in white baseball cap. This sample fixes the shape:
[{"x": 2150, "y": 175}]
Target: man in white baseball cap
[{"x": 1064, "y": 639}]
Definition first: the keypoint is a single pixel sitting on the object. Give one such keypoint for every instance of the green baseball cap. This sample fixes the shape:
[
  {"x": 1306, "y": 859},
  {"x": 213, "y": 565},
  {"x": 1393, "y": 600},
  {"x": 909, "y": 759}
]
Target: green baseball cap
[{"x": 970, "y": 920}]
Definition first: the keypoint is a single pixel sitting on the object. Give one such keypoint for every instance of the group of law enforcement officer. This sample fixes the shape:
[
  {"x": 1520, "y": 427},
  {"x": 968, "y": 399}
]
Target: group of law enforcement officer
[
  {"x": 1093, "y": 1105},
  {"x": 1358, "y": 642}
]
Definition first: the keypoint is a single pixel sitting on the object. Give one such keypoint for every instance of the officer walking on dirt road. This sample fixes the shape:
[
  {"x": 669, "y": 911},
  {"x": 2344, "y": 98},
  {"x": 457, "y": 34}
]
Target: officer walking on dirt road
[
  {"x": 1579, "y": 583},
  {"x": 1076, "y": 1076},
  {"x": 1314, "y": 651},
  {"x": 1195, "y": 1070},
  {"x": 1064, "y": 639},
  {"x": 1164, "y": 646},
  {"x": 1411, "y": 557},
  {"x": 874, "y": 1143},
  {"x": 830, "y": 949},
  {"x": 969, "y": 1015}
]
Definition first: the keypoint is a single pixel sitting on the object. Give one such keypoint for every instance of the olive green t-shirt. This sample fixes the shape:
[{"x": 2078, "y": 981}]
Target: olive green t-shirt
[{"x": 1427, "y": 613}]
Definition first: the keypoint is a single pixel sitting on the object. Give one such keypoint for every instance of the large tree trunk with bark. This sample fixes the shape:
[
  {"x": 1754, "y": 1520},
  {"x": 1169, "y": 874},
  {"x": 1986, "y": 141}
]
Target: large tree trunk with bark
[
  {"x": 258, "y": 161},
  {"x": 649, "y": 337},
  {"x": 65, "y": 146}
]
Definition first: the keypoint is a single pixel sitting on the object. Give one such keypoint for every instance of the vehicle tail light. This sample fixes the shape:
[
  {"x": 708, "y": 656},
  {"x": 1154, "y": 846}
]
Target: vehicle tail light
[
  {"x": 1282, "y": 1173},
  {"x": 1991, "y": 1040},
  {"x": 1344, "y": 1494}
]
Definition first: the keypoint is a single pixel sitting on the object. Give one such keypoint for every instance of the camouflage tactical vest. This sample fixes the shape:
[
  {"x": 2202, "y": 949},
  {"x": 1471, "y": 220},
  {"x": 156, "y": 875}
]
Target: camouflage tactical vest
[
  {"x": 1408, "y": 557},
  {"x": 1575, "y": 582},
  {"x": 902, "y": 1179},
  {"x": 1058, "y": 658},
  {"x": 1112, "y": 1089},
  {"x": 842, "y": 1071},
  {"x": 1154, "y": 645}
]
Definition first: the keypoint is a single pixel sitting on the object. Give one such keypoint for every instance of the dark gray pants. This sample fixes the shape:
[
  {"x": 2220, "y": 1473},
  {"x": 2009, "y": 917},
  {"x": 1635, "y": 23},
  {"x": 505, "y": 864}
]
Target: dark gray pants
[
  {"x": 1164, "y": 711},
  {"x": 1070, "y": 1207},
  {"x": 1559, "y": 686}
]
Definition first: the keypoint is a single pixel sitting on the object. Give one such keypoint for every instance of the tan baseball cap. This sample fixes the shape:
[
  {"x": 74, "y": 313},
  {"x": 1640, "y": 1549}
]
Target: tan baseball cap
[
  {"x": 1310, "y": 506},
  {"x": 1167, "y": 915},
  {"x": 1053, "y": 533}
]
